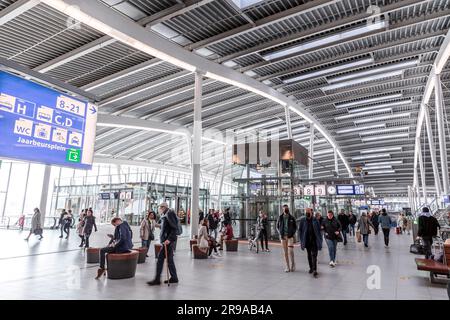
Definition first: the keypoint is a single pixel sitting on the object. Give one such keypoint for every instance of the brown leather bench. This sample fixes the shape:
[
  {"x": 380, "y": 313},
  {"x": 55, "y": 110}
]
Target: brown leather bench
[
  {"x": 192, "y": 242},
  {"x": 122, "y": 265},
  {"x": 142, "y": 254},
  {"x": 198, "y": 253},
  {"x": 231, "y": 245},
  {"x": 434, "y": 267},
  {"x": 158, "y": 248},
  {"x": 92, "y": 255}
]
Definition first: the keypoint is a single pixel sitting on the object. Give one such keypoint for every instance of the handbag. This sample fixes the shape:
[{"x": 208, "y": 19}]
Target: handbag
[
  {"x": 38, "y": 231},
  {"x": 339, "y": 238},
  {"x": 358, "y": 235},
  {"x": 416, "y": 247}
]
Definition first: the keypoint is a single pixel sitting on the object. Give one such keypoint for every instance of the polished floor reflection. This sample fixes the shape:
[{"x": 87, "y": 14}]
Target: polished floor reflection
[{"x": 55, "y": 268}]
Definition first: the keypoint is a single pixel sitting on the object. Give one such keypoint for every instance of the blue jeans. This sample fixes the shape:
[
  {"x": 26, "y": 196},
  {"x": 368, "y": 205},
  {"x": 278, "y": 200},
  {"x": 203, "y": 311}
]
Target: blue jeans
[
  {"x": 344, "y": 234},
  {"x": 365, "y": 239},
  {"x": 352, "y": 229},
  {"x": 332, "y": 244}
]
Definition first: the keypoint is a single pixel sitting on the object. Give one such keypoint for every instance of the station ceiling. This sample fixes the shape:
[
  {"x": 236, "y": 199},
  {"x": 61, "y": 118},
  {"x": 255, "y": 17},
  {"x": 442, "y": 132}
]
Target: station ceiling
[{"x": 361, "y": 75}]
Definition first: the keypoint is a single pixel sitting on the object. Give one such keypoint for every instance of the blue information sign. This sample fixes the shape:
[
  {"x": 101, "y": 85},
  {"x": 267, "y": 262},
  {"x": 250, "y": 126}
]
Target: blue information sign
[
  {"x": 350, "y": 189},
  {"x": 40, "y": 124}
]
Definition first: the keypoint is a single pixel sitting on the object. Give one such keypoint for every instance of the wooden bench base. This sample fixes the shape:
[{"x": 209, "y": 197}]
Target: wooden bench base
[
  {"x": 231, "y": 245},
  {"x": 198, "y": 253}
]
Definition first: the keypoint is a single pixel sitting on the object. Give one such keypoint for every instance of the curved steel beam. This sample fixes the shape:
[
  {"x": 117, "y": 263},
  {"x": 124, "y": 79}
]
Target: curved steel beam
[{"x": 102, "y": 18}]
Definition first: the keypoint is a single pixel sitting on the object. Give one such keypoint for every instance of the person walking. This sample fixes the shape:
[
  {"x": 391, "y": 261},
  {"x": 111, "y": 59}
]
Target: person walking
[
  {"x": 36, "y": 225},
  {"x": 213, "y": 222},
  {"x": 332, "y": 229},
  {"x": 147, "y": 228},
  {"x": 428, "y": 228},
  {"x": 121, "y": 242},
  {"x": 80, "y": 226},
  {"x": 364, "y": 224},
  {"x": 287, "y": 226},
  {"x": 89, "y": 224},
  {"x": 344, "y": 221},
  {"x": 385, "y": 222},
  {"x": 374, "y": 219},
  {"x": 61, "y": 222},
  {"x": 67, "y": 223},
  {"x": 263, "y": 225},
  {"x": 310, "y": 237},
  {"x": 352, "y": 221},
  {"x": 167, "y": 237}
]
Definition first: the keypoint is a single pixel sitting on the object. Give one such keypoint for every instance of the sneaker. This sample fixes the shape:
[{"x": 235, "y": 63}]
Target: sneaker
[
  {"x": 60, "y": 237},
  {"x": 100, "y": 272},
  {"x": 286, "y": 270},
  {"x": 41, "y": 238},
  {"x": 81, "y": 246},
  {"x": 67, "y": 237},
  {"x": 310, "y": 271},
  {"x": 315, "y": 274},
  {"x": 171, "y": 281},
  {"x": 332, "y": 264},
  {"x": 154, "y": 283},
  {"x": 267, "y": 250}
]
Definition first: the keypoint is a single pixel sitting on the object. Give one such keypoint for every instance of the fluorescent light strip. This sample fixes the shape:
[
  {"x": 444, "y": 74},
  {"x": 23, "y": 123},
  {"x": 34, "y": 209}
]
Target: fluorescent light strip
[
  {"x": 325, "y": 40},
  {"x": 377, "y": 167},
  {"x": 318, "y": 153},
  {"x": 384, "y": 163},
  {"x": 366, "y": 101},
  {"x": 322, "y": 72},
  {"x": 381, "y": 69},
  {"x": 360, "y": 128},
  {"x": 382, "y": 181},
  {"x": 361, "y": 80},
  {"x": 175, "y": 132},
  {"x": 353, "y": 115},
  {"x": 381, "y": 172},
  {"x": 392, "y": 104},
  {"x": 371, "y": 156},
  {"x": 393, "y": 116},
  {"x": 386, "y": 137},
  {"x": 380, "y": 150},
  {"x": 365, "y": 133}
]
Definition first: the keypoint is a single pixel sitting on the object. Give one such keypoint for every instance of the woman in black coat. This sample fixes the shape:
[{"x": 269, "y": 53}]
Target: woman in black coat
[{"x": 89, "y": 224}]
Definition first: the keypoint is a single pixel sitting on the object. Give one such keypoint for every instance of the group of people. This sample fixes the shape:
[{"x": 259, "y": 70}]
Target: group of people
[
  {"x": 312, "y": 229},
  {"x": 65, "y": 222},
  {"x": 86, "y": 224},
  {"x": 212, "y": 226}
]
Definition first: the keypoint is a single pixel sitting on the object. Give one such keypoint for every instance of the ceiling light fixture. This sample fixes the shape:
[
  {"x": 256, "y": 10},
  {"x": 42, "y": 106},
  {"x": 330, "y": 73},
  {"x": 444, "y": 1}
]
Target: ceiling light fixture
[
  {"x": 371, "y": 156},
  {"x": 366, "y": 101},
  {"x": 353, "y": 115},
  {"x": 380, "y": 172},
  {"x": 391, "y": 104},
  {"x": 381, "y": 118},
  {"x": 381, "y": 69},
  {"x": 365, "y": 151},
  {"x": 360, "y": 128},
  {"x": 385, "y": 137},
  {"x": 393, "y": 129},
  {"x": 334, "y": 69},
  {"x": 385, "y": 163},
  {"x": 362, "y": 80},
  {"x": 325, "y": 40}
]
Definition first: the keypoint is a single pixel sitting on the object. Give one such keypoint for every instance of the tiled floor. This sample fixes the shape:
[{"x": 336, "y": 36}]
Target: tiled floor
[{"x": 55, "y": 269}]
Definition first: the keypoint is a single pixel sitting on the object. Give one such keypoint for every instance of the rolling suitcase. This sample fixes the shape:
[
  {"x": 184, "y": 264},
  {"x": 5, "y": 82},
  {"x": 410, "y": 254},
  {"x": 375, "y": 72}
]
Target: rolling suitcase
[{"x": 397, "y": 230}]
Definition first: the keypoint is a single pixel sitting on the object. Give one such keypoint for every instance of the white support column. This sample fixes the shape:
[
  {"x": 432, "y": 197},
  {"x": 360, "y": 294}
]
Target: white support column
[
  {"x": 288, "y": 121},
  {"x": 311, "y": 151},
  {"x": 437, "y": 180},
  {"x": 336, "y": 164},
  {"x": 422, "y": 171},
  {"x": 219, "y": 198},
  {"x": 441, "y": 132},
  {"x": 196, "y": 153},
  {"x": 44, "y": 193}
]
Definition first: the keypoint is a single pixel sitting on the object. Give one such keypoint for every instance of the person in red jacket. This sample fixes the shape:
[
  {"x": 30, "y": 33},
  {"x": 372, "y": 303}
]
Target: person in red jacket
[{"x": 226, "y": 234}]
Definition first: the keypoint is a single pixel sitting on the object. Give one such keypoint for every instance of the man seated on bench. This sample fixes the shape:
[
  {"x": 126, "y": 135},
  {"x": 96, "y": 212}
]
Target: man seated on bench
[
  {"x": 121, "y": 242},
  {"x": 226, "y": 234}
]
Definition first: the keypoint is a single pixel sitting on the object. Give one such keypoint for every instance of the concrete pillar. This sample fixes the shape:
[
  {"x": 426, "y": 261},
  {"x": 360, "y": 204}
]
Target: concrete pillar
[
  {"x": 44, "y": 193},
  {"x": 441, "y": 132},
  {"x": 219, "y": 198},
  {"x": 422, "y": 171},
  {"x": 437, "y": 180},
  {"x": 196, "y": 153}
]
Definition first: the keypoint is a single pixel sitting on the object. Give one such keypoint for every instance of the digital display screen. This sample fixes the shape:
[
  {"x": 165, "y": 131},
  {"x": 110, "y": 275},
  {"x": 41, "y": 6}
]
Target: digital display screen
[
  {"x": 350, "y": 189},
  {"x": 105, "y": 196},
  {"x": 42, "y": 125}
]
